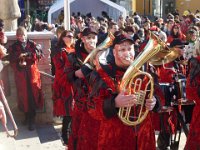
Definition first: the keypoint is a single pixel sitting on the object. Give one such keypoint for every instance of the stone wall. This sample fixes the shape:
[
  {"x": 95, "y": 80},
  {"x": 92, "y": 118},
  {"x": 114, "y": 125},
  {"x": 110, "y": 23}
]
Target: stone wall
[{"x": 46, "y": 115}]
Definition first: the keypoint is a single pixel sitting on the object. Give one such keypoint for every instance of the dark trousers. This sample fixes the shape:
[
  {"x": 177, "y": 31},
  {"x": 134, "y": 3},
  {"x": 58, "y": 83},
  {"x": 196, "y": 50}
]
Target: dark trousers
[{"x": 66, "y": 128}]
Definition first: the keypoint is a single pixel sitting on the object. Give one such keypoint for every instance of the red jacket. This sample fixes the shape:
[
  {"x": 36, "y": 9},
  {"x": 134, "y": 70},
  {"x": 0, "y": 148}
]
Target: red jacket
[
  {"x": 80, "y": 89},
  {"x": 62, "y": 88},
  {"x": 193, "y": 93},
  {"x": 27, "y": 78},
  {"x": 113, "y": 134}
]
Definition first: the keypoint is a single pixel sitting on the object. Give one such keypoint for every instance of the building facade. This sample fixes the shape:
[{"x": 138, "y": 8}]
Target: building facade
[
  {"x": 162, "y": 7},
  {"x": 157, "y": 8}
]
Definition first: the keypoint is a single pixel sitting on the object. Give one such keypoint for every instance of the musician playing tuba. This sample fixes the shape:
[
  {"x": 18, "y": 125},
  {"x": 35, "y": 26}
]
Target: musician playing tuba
[{"x": 113, "y": 133}]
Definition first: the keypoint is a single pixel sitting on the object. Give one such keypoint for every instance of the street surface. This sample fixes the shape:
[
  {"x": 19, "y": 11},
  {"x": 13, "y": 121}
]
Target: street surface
[{"x": 45, "y": 137}]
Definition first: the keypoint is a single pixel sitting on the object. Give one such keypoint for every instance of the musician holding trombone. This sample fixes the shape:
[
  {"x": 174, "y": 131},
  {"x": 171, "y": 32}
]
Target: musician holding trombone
[
  {"x": 77, "y": 73},
  {"x": 62, "y": 88},
  {"x": 24, "y": 55}
]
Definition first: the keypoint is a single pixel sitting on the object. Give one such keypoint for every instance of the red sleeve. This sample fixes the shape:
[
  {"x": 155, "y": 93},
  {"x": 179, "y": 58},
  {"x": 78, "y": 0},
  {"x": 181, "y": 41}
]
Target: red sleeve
[
  {"x": 169, "y": 39},
  {"x": 98, "y": 111},
  {"x": 71, "y": 65}
]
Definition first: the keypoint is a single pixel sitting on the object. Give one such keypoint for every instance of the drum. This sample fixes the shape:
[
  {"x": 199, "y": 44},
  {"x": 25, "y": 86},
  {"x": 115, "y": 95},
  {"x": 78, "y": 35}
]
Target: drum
[
  {"x": 180, "y": 99},
  {"x": 180, "y": 89},
  {"x": 169, "y": 92}
]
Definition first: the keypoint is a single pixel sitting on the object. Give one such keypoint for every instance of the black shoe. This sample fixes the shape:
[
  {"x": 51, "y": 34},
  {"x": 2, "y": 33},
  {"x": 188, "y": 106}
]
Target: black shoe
[
  {"x": 31, "y": 124},
  {"x": 25, "y": 122},
  {"x": 31, "y": 127},
  {"x": 64, "y": 140}
]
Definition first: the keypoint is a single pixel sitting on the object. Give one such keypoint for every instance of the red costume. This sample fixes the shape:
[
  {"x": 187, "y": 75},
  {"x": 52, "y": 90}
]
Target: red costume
[
  {"x": 193, "y": 93},
  {"x": 27, "y": 78},
  {"x": 113, "y": 134},
  {"x": 89, "y": 127},
  {"x": 62, "y": 88},
  {"x": 80, "y": 88}
]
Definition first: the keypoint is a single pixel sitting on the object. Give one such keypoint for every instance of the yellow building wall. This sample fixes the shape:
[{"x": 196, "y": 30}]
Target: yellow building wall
[
  {"x": 140, "y": 6},
  {"x": 133, "y": 5},
  {"x": 183, "y": 5}
]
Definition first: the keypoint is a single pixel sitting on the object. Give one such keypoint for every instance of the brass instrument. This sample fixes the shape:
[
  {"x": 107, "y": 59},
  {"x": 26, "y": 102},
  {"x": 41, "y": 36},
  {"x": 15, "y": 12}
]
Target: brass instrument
[
  {"x": 3, "y": 117},
  {"x": 105, "y": 44},
  {"x": 134, "y": 79},
  {"x": 22, "y": 62},
  {"x": 22, "y": 59}
]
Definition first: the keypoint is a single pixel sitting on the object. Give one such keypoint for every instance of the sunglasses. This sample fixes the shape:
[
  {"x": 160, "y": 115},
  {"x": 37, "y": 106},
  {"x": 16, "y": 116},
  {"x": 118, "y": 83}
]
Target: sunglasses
[{"x": 69, "y": 36}]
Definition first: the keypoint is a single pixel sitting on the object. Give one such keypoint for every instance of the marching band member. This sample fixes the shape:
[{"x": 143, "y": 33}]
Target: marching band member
[
  {"x": 24, "y": 55},
  {"x": 167, "y": 73},
  {"x": 62, "y": 88},
  {"x": 77, "y": 73},
  {"x": 89, "y": 127},
  {"x": 113, "y": 134},
  {"x": 193, "y": 93}
]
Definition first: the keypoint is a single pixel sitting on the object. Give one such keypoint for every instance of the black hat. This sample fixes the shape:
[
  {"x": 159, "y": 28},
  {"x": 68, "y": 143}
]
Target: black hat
[
  {"x": 121, "y": 38},
  {"x": 88, "y": 31}
]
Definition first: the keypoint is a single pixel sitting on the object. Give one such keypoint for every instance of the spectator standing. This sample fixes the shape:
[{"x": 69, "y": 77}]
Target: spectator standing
[
  {"x": 61, "y": 17},
  {"x": 26, "y": 23},
  {"x": 24, "y": 55},
  {"x": 62, "y": 88}
]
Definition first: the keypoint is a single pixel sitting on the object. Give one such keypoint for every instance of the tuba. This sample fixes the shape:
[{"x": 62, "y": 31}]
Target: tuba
[{"x": 141, "y": 83}]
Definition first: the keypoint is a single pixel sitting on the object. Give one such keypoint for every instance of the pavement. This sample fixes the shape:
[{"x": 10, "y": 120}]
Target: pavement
[{"x": 45, "y": 137}]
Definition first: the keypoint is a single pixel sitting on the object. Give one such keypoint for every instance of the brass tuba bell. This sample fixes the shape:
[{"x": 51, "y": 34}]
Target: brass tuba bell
[{"x": 141, "y": 83}]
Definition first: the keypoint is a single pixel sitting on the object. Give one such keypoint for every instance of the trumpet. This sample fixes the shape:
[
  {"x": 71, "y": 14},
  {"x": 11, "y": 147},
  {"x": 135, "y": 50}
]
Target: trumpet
[{"x": 3, "y": 115}]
